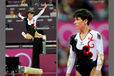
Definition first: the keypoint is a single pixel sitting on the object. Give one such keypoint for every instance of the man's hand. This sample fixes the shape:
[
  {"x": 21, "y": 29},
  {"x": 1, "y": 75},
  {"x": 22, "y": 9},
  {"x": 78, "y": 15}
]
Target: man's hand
[{"x": 97, "y": 73}]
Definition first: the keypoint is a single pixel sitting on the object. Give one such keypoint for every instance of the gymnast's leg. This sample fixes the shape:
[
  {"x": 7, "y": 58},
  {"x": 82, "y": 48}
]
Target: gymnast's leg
[{"x": 28, "y": 36}]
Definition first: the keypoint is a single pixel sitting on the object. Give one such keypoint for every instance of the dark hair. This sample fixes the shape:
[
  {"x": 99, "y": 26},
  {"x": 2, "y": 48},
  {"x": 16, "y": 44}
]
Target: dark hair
[
  {"x": 84, "y": 14},
  {"x": 30, "y": 11}
]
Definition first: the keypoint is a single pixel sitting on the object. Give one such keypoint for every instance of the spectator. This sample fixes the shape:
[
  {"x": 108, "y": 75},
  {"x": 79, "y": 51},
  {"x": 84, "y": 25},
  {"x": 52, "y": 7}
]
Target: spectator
[
  {"x": 24, "y": 3},
  {"x": 67, "y": 7},
  {"x": 53, "y": 13},
  {"x": 35, "y": 2},
  {"x": 51, "y": 2},
  {"x": 11, "y": 15}
]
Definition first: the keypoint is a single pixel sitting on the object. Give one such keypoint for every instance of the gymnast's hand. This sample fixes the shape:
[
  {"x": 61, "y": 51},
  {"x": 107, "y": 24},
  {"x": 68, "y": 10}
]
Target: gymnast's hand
[
  {"x": 97, "y": 73},
  {"x": 38, "y": 35},
  {"x": 45, "y": 5},
  {"x": 67, "y": 74},
  {"x": 19, "y": 14}
]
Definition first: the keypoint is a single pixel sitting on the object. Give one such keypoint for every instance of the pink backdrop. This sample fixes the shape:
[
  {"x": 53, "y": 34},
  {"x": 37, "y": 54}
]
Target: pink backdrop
[
  {"x": 25, "y": 55},
  {"x": 67, "y": 28}
]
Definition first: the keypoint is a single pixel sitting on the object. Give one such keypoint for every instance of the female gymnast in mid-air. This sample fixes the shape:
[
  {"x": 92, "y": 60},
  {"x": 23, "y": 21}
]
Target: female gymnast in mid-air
[
  {"x": 31, "y": 23},
  {"x": 33, "y": 34}
]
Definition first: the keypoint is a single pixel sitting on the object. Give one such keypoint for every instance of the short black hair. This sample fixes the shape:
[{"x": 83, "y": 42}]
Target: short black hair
[
  {"x": 84, "y": 14},
  {"x": 30, "y": 11}
]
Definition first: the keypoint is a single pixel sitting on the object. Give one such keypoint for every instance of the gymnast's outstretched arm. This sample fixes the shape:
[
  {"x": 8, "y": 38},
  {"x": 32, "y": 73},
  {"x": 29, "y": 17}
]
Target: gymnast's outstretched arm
[
  {"x": 20, "y": 15},
  {"x": 41, "y": 12}
]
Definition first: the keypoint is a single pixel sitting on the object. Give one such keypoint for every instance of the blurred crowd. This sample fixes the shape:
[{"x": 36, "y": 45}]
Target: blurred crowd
[
  {"x": 27, "y": 3},
  {"x": 66, "y": 8}
]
